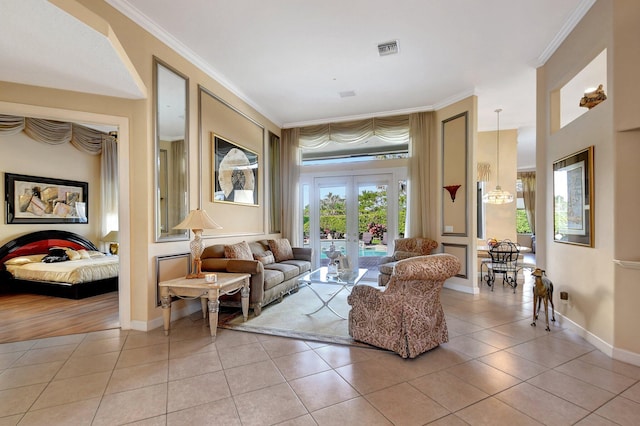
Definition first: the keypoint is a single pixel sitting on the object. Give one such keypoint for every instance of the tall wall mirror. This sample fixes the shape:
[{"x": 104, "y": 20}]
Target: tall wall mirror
[{"x": 171, "y": 136}]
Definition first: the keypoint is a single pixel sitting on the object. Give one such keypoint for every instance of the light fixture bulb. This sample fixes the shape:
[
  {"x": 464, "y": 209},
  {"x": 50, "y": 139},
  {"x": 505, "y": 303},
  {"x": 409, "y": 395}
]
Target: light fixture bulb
[{"x": 498, "y": 195}]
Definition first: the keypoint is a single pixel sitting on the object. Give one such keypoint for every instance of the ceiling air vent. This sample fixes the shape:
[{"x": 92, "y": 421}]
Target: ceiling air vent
[{"x": 388, "y": 48}]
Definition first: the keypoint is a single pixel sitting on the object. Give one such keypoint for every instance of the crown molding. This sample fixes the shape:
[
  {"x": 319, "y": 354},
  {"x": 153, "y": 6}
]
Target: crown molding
[
  {"x": 577, "y": 15},
  {"x": 128, "y": 10}
]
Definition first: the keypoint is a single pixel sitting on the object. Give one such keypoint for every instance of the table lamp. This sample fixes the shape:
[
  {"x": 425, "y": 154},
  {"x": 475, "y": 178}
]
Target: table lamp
[
  {"x": 112, "y": 239},
  {"x": 197, "y": 220}
]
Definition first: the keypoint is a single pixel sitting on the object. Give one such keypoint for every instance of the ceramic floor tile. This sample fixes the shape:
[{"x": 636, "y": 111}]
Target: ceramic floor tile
[
  {"x": 404, "y": 404},
  {"x": 139, "y": 376},
  {"x": 541, "y": 405},
  {"x": 258, "y": 407},
  {"x": 76, "y": 413},
  {"x": 357, "y": 411},
  {"x": 131, "y": 406},
  {"x": 247, "y": 378},
  {"x": 187, "y": 347},
  {"x": 65, "y": 391},
  {"x": 153, "y": 421},
  {"x": 193, "y": 365},
  {"x": 576, "y": 391},
  {"x": 143, "y": 355},
  {"x": 88, "y": 364},
  {"x": 450, "y": 420},
  {"x": 605, "y": 379},
  {"x": 448, "y": 390},
  {"x": 46, "y": 354},
  {"x": 338, "y": 356},
  {"x": 300, "y": 364},
  {"x": 234, "y": 356},
  {"x": 595, "y": 420},
  {"x": 16, "y": 346},
  {"x": 197, "y": 390},
  {"x": 139, "y": 340},
  {"x": 633, "y": 393},
  {"x": 72, "y": 339},
  {"x": 492, "y": 411},
  {"x": 483, "y": 376},
  {"x": 222, "y": 412},
  {"x": 18, "y": 400},
  {"x": 8, "y": 359},
  {"x": 621, "y": 410},
  {"x": 280, "y": 346},
  {"x": 601, "y": 360},
  {"x": 99, "y": 346},
  {"x": 368, "y": 376},
  {"x": 513, "y": 365},
  {"x": 322, "y": 389},
  {"x": 470, "y": 346},
  {"x": 29, "y": 375},
  {"x": 305, "y": 420}
]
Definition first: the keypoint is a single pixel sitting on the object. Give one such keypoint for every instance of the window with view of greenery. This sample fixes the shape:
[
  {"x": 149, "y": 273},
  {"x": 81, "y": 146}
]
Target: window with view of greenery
[{"x": 522, "y": 223}]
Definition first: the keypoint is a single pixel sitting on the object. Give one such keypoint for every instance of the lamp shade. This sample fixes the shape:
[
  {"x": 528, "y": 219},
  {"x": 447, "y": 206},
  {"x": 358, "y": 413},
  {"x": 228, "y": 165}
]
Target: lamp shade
[
  {"x": 197, "y": 219},
  {"x": 111, "y": 237}
]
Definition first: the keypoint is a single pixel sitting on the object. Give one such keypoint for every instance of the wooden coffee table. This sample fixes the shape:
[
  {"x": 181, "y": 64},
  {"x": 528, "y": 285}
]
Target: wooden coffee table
[{"x": 208, "y": 293}]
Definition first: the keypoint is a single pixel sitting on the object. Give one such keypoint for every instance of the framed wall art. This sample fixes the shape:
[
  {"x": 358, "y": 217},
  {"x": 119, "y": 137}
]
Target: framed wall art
[
  {"x": 235, "y": 177},
  {"x": 34, "y": 199},
  {"x": 573, "y": 199}
]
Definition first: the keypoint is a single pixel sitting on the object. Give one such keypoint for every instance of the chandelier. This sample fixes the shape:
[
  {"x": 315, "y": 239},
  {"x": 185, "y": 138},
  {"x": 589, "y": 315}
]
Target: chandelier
[{"x": 498, "y": 195}]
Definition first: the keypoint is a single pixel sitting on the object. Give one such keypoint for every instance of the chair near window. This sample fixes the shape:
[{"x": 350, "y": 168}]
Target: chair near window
[{"x": 504, "y": 261}]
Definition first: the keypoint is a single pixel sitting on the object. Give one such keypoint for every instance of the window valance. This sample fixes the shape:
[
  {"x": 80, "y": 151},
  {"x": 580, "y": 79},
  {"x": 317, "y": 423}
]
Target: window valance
[
  {"x": 390, "y": 129},
  {"x": 54, "y": 132}
]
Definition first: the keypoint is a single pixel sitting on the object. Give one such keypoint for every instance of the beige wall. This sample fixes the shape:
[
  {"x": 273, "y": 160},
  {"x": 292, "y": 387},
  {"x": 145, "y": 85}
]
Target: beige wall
[
  {"x": 20, "y": 154},
  {"x": 140, "y": 46},
  {"x": 469, "y": 105},
  {"x": 601, "y": 295},
  {"x": 500, "y": 220}
]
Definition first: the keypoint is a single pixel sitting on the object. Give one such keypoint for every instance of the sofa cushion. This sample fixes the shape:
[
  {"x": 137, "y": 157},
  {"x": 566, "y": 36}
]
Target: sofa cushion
[
  {"x": 386, "y": 268},
  {"x": 281, "y": 249},
  {"x": 272, "y": 278},
  {"x": 265, "y": 258},
  {"x": 289, "y": 271},
  {"x": 238, "y": 251},
  {"x": 400, "y": 255},
  {"x": 303, "y": 265}
]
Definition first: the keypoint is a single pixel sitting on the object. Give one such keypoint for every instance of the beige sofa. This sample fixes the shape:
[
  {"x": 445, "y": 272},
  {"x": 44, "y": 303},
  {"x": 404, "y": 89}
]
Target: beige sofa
[
  {"x": 273, "y": 274},
  {"x": 404, "y": 248}
]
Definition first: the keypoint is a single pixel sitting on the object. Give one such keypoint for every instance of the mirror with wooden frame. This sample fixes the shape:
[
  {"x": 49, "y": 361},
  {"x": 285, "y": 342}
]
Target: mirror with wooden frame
[{"x": 171, "y": 140}]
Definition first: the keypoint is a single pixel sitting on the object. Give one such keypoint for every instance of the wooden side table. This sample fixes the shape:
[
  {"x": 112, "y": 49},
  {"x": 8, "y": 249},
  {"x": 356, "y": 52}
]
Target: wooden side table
[{"x": 194, "y": 288}]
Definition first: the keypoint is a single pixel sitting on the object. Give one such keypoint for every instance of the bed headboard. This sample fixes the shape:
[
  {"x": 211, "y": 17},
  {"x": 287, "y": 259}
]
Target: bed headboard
[{"x": 40, "y": 242}]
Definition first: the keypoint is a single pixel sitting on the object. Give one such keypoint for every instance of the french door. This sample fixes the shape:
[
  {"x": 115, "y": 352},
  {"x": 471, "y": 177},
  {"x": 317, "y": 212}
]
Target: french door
[{"x": 354, "y": 215}]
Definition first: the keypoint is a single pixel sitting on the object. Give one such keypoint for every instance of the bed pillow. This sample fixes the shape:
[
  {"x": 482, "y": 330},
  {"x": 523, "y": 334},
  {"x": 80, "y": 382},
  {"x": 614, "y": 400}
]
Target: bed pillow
[
  {"x": 84, "y": 254},
  {"x": 94, "y": 254},
  {"x": 281, "y": 249},
  {"x": 238, "y": 251},
  {"x": 72, "y": 254},
  {"x": 56, "y": 254},
  {"x": 23, "y": 260}
]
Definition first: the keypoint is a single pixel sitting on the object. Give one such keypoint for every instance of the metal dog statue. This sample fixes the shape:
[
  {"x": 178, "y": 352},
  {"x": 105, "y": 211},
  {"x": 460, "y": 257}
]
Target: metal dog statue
[{"x": 542, "y": 291}]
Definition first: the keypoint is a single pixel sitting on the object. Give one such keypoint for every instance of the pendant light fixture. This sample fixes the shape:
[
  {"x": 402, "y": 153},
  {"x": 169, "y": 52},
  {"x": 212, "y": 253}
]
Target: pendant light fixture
[{"x": 498, "y": 196}]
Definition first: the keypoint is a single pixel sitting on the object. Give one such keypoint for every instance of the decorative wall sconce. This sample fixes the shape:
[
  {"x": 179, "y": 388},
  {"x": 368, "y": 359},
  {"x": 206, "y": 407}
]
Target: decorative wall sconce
[
  {"x": 452, "y": 191},
  {"x": 593, "y": 98}
]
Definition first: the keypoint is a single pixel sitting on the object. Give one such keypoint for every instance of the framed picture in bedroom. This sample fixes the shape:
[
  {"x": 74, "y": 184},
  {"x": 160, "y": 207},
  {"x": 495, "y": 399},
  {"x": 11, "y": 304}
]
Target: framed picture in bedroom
[
  {"x": 35, "y": 199},
  {"x": 235, "y": 177},
  {"x": 573, "y": 196}
]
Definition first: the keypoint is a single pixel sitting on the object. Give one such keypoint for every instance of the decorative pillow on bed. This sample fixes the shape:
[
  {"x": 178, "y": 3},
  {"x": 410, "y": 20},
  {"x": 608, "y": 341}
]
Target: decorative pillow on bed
[
  {"x": 72, "y": 254},
  {"x": 23, "y": 260},
  {"x": 94, "y": 254},
  {"x": 281, "y": 249},
  {"x": 56, "y": 254},
  {"x": 84, "y": 254},
  {"x": 238, "y": 251}
]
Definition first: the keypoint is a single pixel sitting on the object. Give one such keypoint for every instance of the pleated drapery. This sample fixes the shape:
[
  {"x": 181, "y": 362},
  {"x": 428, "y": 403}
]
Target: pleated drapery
[
  {"x": 290, "y": 173},
  {"x": 529, "y": 195},
  {"x": 390, "y": 129},
  {"x": 419, "y": 200}
]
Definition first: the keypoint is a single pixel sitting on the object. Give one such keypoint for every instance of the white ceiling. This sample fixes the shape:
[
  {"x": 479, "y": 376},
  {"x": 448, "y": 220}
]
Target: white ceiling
[{"x": 290, "y": 59}]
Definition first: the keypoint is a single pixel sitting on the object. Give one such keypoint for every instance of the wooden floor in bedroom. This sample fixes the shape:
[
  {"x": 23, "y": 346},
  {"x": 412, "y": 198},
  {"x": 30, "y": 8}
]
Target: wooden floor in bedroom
[{"x": 31, "y": 316}]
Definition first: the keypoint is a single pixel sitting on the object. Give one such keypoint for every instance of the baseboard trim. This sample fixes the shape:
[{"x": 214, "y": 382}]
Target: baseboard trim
[
  {"x": 188, "y": 309},
  {"x": 601, "y": 345}
]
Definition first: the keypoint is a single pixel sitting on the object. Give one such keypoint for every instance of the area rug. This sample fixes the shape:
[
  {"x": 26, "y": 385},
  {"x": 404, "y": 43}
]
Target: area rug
[{"x": 294, "y": 317}]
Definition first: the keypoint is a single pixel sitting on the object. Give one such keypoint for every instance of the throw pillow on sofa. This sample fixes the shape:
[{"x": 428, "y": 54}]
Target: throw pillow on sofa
[
  {"x": 281, "y": 249},
  {"x": 266, "y": 258},
  {"x": 238, "y": 251}
]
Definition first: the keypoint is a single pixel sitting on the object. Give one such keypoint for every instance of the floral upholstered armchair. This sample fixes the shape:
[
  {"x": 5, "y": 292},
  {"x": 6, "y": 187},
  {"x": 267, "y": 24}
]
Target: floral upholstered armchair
[
  {"x": 403, "y": 249},
  {"x": 407, "y": 316}
]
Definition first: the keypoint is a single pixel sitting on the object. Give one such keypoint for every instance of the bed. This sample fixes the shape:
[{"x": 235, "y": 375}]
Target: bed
[{"x": 83, "y": 271}]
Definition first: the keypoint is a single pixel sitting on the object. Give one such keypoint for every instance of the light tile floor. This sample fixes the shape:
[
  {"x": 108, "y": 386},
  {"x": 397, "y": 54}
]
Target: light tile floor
[{"x": 496, "y": 369}]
